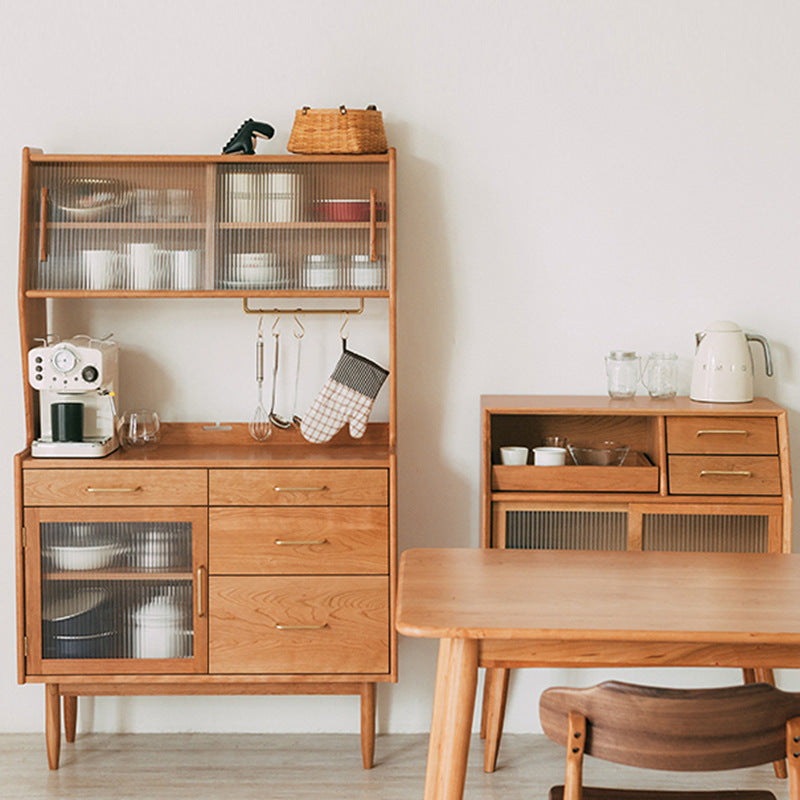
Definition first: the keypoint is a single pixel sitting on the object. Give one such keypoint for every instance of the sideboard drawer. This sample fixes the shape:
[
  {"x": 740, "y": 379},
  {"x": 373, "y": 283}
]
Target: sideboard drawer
[
  {"x": 298, "y": 487},
  {"x": 740, "y": 475},
  {"x": 298, "y": 625},
  {"x": 115, "y": 487},
  {"x": 753, "y": 435},
  {"x": 301, "y": 541}
]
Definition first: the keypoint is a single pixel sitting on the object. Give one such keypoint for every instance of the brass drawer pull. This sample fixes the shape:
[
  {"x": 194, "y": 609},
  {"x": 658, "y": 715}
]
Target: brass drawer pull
[
  {"x": 301, "y": 488},
  {"x": 720, "y": 430},
  {"x": 742, "y": 473},
  {"x": 281, "y": 627},
  {"x": 98, "y": 489},
  {"x": 201, "y": 590},
  {"x": 281, "y": 542}
]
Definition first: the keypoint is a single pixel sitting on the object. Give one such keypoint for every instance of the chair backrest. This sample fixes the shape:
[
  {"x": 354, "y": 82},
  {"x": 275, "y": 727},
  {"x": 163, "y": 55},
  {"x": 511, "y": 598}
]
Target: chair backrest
[{"x": 675, "y": 729}]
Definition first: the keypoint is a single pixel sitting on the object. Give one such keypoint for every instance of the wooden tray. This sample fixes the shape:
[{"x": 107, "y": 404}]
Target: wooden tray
[{"x": 637, "y": 474}]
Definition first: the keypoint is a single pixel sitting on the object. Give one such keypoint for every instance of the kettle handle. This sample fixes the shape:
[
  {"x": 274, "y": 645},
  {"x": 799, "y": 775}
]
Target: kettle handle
[{"x": 757, "y": 337}]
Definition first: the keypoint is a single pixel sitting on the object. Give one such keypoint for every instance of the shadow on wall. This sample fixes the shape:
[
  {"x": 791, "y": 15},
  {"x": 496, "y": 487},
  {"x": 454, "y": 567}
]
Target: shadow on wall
[{"x": 433, "y": 502}]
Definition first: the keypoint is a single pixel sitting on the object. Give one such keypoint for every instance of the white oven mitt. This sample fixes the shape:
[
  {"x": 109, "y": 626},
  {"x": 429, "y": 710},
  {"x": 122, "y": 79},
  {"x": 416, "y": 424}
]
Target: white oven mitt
[{"x": 347, "y": 396}]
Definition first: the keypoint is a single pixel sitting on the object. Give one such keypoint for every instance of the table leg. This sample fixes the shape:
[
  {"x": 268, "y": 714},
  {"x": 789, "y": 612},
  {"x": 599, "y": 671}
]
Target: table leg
[
  {"x": 495, "y": 700},
  {"x": 367, "y": 724},
  {"x": 52, "y": 722},
  {"x": 451, "y": 725},
  {"x": 70, "y": 716}
]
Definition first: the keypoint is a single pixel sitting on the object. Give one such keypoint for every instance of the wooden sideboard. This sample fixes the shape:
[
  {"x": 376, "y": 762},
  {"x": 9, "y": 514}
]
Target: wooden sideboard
[
  {"x": 699, "y": 477},
  {"x": 211, "y": 564}
]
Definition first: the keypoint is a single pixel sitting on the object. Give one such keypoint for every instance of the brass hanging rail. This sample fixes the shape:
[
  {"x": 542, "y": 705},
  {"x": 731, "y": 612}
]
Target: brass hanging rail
[{"x": 358, "y": 310}]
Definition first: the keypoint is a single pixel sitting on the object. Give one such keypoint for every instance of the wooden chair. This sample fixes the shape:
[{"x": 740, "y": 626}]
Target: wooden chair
[{"x": 694, "y": 730}]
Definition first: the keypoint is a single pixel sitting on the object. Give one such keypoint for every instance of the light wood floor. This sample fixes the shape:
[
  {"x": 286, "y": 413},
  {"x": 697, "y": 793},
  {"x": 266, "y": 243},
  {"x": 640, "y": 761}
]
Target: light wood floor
[{"x": 318, "y": 766}]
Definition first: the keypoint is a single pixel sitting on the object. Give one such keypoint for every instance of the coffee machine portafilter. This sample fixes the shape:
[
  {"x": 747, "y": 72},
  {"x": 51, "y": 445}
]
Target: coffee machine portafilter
[{"x": 77, "y": 381}]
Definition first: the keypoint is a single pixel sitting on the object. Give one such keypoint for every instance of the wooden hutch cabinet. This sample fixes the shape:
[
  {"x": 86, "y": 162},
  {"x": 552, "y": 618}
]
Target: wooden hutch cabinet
[
  {"x": 698, "y": 477},
  {"x": 212, "y": 563}
]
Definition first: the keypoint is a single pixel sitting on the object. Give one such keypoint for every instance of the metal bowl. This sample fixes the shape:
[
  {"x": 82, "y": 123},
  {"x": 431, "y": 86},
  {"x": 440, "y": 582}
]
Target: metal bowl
[{"x": 608, "y": 454}]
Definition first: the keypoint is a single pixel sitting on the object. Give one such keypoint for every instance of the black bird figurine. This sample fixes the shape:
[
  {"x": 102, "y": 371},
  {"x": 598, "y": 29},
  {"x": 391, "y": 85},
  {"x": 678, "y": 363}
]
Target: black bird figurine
[{"x": 244, "y": 140}]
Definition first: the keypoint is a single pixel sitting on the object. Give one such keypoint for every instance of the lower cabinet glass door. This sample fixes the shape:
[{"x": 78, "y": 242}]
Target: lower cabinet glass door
[{"x": 117, "y": 590}]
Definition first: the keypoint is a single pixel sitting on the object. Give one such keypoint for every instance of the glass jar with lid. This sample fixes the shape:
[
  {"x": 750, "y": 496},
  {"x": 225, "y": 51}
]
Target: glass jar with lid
[{"x": 622, "y": 373}]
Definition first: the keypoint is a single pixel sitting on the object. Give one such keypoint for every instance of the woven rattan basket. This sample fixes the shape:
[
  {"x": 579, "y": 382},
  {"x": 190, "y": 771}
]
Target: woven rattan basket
[{"x": 338, "y": 130}]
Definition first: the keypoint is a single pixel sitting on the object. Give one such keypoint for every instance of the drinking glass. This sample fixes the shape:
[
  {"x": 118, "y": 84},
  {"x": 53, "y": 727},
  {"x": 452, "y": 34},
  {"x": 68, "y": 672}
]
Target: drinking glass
[
  {"x": 139, "y": 428},
  {"x": 622, "y": 371},
  {"x": 660, "y": 375}
]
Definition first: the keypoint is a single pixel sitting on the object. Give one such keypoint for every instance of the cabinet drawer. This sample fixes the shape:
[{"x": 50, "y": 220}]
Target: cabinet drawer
[
  {"x": 741, "y": 475},
  {"x": 115, "y": 487},
  {"x": 298, "y": 487},
  {"x": 304, "y": 541},
  {"x": 754, "y": 435},
  {"x": 298, "y": 624}
]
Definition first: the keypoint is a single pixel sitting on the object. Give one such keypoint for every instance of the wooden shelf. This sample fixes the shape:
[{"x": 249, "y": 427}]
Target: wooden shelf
[
  {"x": 115, "y": 575},
  {"x": 636, "y": 474},
  {"x": 129, "y": 226},
  {"x": 297, "y": 226}
]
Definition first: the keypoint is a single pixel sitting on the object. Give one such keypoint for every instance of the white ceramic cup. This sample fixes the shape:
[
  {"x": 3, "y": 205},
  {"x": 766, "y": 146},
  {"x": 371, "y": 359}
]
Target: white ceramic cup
[
  {"x": 142, "y": 257},
  {"x": 549, "y": 456},
  {"x": 185, "y": 268},
  {"x": 99, "y": 267},
  {"x": 514, "y": 456}
]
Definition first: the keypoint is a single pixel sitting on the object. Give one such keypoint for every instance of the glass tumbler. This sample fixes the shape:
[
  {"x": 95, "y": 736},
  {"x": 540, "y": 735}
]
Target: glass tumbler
[
  {"x": 139, "y": 428},
  {"x": 622, "y": 372},
  {"x": 660, "y": 375}
]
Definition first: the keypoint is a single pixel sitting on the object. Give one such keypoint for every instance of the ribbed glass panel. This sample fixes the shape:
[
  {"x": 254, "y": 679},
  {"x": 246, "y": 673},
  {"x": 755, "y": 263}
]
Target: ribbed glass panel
[
  {"x": 132, "y": 227},
  {"x": 711, "y": 533},
  {"x": 566, "y": 530},
  {"x": 301, "y": 226},
  {"x": 117, "y": 590}
]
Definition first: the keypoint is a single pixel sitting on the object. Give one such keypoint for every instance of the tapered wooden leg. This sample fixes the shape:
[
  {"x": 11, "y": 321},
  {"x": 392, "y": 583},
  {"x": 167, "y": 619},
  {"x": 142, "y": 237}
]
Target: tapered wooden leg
[
  {"x": 793, "y": 756},
  {"x": 453, "y": 704},
  {"x": 52, "y": 722},
  {"x": 497, "y": 680},
  {"x": 765, "y": 675},
  {"x": 485, "y": 701},
  {"x": 70, "y": 716},
  {"x": 367, "y": 724}
]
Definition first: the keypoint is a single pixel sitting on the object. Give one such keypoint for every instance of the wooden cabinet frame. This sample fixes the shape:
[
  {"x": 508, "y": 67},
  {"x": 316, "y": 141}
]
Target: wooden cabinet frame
[
  {"x": 727, "y": 441},
  {"x": 193, "y": 447}
]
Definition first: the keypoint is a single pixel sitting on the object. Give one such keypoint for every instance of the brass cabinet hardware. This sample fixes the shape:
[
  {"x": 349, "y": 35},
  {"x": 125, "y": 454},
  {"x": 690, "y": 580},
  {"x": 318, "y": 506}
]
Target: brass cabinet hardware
[
  {"x": 281, "y": 627},
  {"x": 201, "y": 588},
  {"x": 301, "y": 488},
  {"x": 720, "y": 430},
  {"x": 280, "y": 542},
  {"x": 742, "y": 473},
  {"x": 99, "y": 489}
]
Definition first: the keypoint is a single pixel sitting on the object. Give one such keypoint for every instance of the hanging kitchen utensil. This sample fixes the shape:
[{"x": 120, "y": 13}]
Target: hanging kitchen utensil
[
  {"x": 274, "y": 418},
  {"x": 296, "y": 419},
  {"x": 260, "y": 427}
]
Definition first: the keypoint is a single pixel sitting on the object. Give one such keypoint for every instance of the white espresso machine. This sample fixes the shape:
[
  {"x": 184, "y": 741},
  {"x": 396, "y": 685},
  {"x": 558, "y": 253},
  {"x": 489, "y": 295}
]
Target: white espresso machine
[{"x": 77, "y": 381}]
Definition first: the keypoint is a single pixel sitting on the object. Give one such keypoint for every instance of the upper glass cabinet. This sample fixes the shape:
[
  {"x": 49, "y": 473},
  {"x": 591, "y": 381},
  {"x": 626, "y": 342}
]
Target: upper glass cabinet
[{"x": 117, "y": 226}]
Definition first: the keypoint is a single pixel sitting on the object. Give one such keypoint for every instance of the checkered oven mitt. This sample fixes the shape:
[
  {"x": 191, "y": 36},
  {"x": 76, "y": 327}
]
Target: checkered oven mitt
[{"x": 347, "y": 396}]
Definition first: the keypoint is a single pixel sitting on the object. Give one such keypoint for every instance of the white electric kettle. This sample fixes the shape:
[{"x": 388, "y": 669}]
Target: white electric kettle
[{"x": 723, "y": 364}]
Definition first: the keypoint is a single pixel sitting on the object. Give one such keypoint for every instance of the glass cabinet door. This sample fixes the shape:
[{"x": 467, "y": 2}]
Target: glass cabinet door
[{"x": 117, "y": 590}]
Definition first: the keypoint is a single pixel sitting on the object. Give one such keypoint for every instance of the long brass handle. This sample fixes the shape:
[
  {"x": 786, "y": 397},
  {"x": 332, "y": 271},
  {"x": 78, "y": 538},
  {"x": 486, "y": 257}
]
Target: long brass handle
[
  {"x": 99, "y": 489},
  {"x": 280, "y": 542},
  {"x": 719, "y": 430},
  {"x": 43, "y": 226},
  {"x": 301, "y": 488},
  {"x": 281, "y": 627},
  {"x": 373, "y": 218},
  {"x": 201, "y": 590},
  {"x": 742, "y": 473}
]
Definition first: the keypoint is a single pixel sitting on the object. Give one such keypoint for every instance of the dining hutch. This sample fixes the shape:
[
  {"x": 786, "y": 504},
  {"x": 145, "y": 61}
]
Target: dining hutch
[
  {"x": 699, "y": 477},
  {"x": 237, "y": 567}
]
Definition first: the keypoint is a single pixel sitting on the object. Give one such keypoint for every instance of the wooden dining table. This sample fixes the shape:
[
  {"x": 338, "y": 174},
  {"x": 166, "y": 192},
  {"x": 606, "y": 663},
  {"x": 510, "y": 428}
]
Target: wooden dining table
[{"x": 524, "y": 608}]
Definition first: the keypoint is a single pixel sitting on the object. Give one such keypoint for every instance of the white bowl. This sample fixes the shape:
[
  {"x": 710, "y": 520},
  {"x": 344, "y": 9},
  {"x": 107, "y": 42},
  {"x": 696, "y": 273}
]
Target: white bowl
[{"x": 83, "y": 557}]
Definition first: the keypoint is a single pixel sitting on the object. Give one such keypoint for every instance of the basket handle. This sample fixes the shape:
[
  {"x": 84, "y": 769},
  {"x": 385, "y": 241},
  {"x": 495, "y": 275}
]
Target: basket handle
[{"x": 342, "y": 109}]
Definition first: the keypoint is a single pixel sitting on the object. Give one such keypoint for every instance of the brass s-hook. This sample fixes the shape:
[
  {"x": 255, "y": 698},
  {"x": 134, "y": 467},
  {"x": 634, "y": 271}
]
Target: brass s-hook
[{"x": 299, "y": 325}]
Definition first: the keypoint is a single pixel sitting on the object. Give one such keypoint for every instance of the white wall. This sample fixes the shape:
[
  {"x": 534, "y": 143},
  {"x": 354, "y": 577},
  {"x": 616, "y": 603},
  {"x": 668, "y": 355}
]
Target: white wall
[{"x": 573, "y": 177}]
